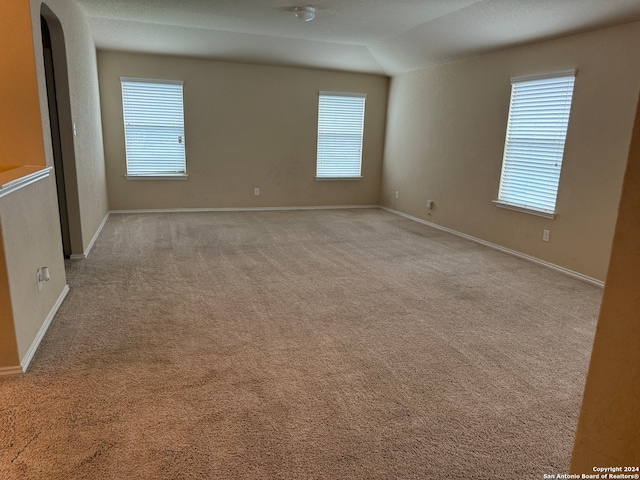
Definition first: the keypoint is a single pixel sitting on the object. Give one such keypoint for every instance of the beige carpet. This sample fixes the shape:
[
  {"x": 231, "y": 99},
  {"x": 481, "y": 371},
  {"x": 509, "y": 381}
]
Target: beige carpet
[{"x": 349, "y": 344}]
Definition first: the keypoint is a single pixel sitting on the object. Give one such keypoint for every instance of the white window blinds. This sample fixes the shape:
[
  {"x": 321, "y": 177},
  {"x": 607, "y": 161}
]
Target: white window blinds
[
  {"x": 154, "y": 127},
  {"x": 534, "y": 147},
  {"x": 340, "y": 132}
]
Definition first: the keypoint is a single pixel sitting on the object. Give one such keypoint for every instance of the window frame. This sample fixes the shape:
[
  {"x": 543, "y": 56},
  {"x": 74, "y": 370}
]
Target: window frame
[
  {"x": 160, "y": 173},
  {"x": 553, "y": 140},
  {"x": 322, "y": 130}
]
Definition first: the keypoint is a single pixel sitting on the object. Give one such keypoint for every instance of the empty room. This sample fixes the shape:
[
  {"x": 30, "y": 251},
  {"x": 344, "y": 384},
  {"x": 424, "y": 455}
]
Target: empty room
[{"x": 337, "y": 239}]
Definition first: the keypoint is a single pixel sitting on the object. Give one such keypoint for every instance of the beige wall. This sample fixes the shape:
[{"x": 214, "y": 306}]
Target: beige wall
[
  {"x": 31, "y": 234},
  {"x": 246, "y": 126},
  {"x": 86, "y": 148},
  {"x": 8, "y": 345},
  {"x": 445, "y": 140},
  {"x": 29, "y": 217},
  {"x": 608, "y": 428},
  {"x": 18, "y": 144}
]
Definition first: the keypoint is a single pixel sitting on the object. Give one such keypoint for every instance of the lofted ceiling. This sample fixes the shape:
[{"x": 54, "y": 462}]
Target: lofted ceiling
[{"x": 388, "y": 37}]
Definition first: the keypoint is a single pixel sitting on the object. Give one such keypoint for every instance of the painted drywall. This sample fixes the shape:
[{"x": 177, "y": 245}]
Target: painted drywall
[
  {"x": 246, "y": 127},
  {"x": 28, "y": 217},
  {"x": 607, "y": 434},
  {"x": 85, "y": 148},
  {"x": 445, "y": 141},
  {"x": 18, "y": 89},
  {"x": 8, "y": 346},
  {"x": 31, "y": 234}
]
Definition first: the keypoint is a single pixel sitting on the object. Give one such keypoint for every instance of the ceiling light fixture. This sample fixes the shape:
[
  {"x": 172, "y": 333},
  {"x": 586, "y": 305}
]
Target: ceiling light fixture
[{"x": 306, "y": 13}]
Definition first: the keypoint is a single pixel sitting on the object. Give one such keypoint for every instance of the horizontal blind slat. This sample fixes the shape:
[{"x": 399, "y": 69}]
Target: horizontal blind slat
[
  {"x": 340, "y": 134},
  {"x": 534, "y": 146},
  {"x": 154, "y": 127}
]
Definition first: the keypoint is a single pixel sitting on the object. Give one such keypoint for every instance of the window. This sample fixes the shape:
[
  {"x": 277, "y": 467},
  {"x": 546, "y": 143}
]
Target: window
[
  {"x": 153, "y": 128},
  {"x": 534, "y": 147},
  {"x": 340, "y": 132}
]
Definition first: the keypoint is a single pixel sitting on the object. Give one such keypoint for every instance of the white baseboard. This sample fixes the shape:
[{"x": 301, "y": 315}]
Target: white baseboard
[
  {"x": 234, "y": 209},
  {"x": 82, "y": 256},
  {"x": 6, "y": 371},
  {"x": 43, "y": 329},
  {"x": 524, "y": 256}
]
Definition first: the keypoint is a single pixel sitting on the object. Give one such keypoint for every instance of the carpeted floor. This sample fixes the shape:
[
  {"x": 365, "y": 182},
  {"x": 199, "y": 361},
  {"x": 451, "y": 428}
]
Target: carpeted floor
[{"x": 346, "y": 344}]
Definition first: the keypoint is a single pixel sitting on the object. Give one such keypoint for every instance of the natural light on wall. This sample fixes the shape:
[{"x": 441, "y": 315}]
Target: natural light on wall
[
  {"x": 154, "y": 128},
  {"x": 534, "y": 147},
  {"x": 340, "y": 134}
]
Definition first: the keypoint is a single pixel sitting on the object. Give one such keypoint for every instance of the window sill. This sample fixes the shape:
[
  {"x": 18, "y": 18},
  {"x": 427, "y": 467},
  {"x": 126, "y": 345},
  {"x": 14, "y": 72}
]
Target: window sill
[
  {"x": 178, "y": 176},
  {"x": 530, "y": 211},
  {"x": 337, "y": 179}
]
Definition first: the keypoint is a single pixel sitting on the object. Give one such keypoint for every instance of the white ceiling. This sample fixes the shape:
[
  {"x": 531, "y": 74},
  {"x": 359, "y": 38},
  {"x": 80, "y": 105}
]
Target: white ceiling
[{"x": 387, "y": 37}]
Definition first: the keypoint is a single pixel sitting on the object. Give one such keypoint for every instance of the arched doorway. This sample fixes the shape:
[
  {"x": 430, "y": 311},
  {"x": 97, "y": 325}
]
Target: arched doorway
[{"x": 62, "y": 130}]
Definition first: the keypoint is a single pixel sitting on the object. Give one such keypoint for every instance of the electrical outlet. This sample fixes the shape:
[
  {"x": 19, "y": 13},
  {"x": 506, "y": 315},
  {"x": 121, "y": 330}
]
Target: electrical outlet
[
  {"x": 42, "y": 275},
  {"x": 429, "y": 204},
  {"x": 256, "y": 191},
  {"x": 397, "y": 194},
  {"x": 545, "y": 235}
]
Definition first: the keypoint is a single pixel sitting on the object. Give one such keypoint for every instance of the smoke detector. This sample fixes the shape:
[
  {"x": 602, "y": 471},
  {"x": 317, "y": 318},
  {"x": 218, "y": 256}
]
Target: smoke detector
[{"x": 306, "y": 13}]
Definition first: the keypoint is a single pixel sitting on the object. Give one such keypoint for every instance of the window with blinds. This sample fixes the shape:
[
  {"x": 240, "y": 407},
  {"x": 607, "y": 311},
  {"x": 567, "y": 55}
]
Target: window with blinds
[
  {"x": 534, "y": 147},
  {"x": 340, "y": 133},
  {"x": 153, "y": 127}
]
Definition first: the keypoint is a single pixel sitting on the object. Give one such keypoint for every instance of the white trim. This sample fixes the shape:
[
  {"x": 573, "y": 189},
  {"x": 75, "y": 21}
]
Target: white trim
[
  {"x": 563, "y": 73},
  {"x": 343, "y": 94},
  {"x": 23, "y": 181},
  {"x": 524, "y": 256},
  {"x": 337, "y": 179},
  {"x": 247, "y": 209},
  {"x": 530, "y": 211},
  {"x": 43, "y": 329},
  {"x": 6, "y": 371},
  {"x": 151, "y": 80},
  {"x": 82, "y": 256},
  {"x": 178, "y": 176}
]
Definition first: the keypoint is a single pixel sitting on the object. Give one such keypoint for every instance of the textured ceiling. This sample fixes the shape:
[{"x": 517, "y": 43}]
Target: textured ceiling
[{"x": 387, "y": 37}]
